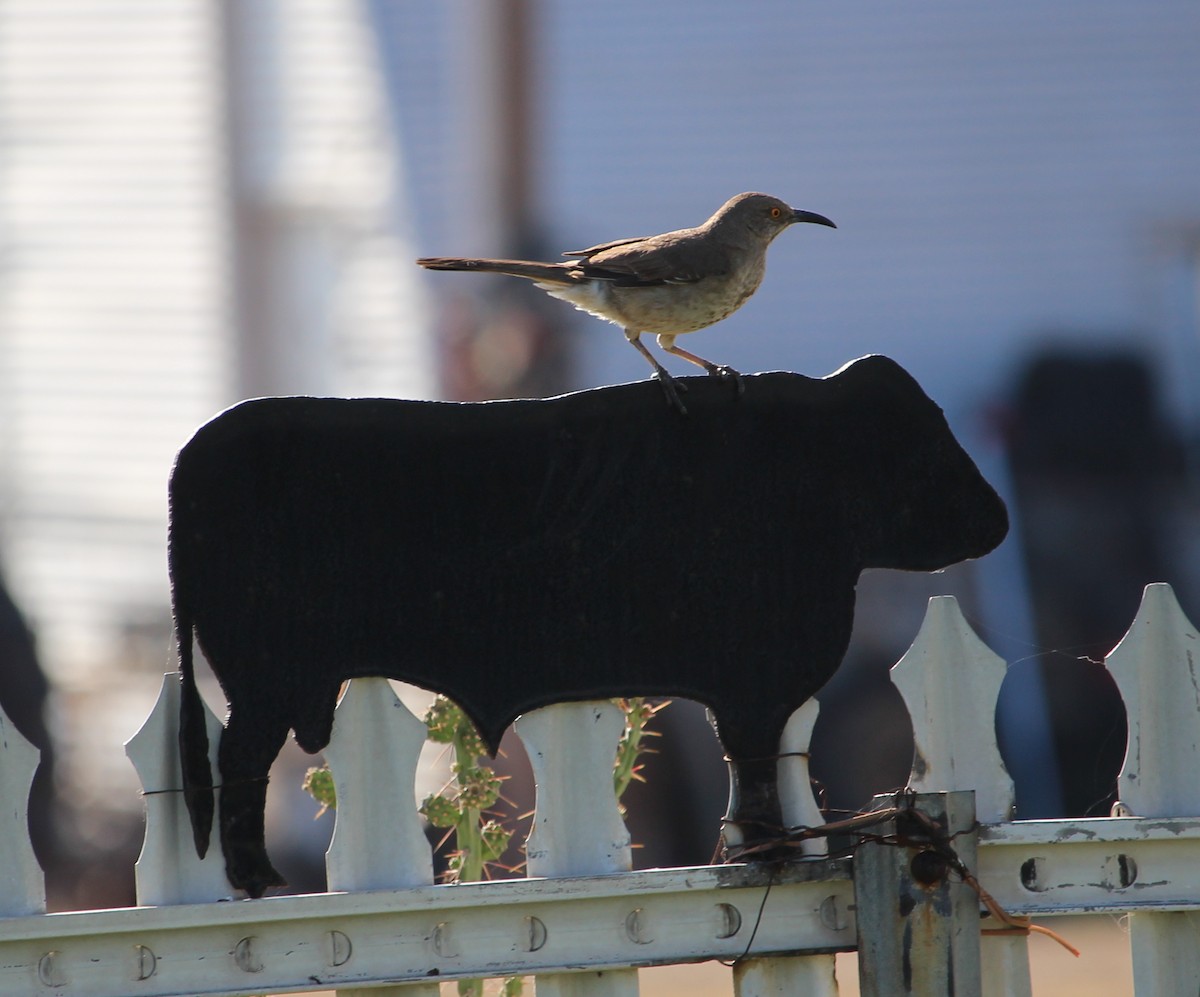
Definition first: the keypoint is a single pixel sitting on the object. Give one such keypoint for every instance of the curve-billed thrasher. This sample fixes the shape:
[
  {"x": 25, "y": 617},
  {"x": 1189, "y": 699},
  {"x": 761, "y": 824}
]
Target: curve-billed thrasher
[{"x": 665, "y": 284}]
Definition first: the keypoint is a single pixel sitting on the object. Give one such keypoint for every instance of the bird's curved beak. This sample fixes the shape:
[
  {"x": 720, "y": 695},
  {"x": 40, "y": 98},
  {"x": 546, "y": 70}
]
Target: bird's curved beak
[{"x": 811, "y": 216}]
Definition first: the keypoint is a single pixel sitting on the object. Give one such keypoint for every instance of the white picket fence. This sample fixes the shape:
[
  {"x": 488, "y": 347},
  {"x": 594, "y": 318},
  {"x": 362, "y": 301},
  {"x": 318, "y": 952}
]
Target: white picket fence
[{"x": 583, "y": 923}]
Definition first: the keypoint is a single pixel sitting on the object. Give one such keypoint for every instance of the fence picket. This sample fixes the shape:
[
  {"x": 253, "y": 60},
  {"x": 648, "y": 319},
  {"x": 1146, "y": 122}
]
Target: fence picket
[
  {"x": 814, "y": 975},
  {"x": 796, "y": 798},
  {"x": 373, "y": 755},
  {"x": 577, "y": 828},
  {"x": 168, "y": 870},
  {"x": 950, "y": 681},
  {"x": 378, "y": 842},
  {"x": 22, "y": 884},
  {"x": 1156, "y": 671}
]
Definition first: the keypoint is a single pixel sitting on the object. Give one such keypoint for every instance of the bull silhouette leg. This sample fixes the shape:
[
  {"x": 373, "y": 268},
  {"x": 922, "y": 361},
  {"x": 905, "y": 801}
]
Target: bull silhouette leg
[
  {"x": 249, "y": 744},
  {"x": 754, "y": 813}
]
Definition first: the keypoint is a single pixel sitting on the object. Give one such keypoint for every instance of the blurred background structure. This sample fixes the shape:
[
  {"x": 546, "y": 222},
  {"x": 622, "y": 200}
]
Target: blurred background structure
[{"x": 208, "y": 200}]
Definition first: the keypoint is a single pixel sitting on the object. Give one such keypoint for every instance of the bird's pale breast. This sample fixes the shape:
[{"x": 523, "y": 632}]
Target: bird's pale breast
[{"x": 664, "y": 308}]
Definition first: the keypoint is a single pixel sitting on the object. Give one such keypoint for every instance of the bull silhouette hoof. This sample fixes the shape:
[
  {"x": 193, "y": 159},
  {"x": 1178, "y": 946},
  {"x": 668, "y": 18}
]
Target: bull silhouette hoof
[{"x": 253, "y": 873}]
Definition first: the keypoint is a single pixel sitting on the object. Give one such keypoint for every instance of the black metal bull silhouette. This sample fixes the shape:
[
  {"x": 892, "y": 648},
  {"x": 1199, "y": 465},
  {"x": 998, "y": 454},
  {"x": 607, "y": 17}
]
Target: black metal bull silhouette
[{"x": 517, "y": 554}]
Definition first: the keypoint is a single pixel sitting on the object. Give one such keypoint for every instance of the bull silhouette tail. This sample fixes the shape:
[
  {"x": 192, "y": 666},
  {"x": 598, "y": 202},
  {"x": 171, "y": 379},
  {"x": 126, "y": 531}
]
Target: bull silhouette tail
[{"x": 193, "y": 743}]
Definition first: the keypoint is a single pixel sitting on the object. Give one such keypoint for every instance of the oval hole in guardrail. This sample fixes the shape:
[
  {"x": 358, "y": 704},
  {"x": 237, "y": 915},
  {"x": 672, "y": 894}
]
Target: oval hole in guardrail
[{"x": 1031, "y": 874}]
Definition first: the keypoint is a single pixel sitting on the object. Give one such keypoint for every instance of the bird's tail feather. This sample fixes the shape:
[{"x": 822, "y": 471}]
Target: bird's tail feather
[{"x": 556, "y": 273}]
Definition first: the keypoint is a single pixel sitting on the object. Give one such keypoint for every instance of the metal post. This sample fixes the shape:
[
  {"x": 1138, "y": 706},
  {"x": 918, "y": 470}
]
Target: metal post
[{"x": 917, "y": 922}]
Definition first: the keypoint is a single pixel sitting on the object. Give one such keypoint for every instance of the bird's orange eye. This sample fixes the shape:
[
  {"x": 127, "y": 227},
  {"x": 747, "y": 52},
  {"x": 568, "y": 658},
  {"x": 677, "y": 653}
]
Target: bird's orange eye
[{"x": 775, "y": 212}]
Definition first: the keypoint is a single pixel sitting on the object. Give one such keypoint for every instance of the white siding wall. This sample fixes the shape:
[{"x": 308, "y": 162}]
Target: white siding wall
[
  {"x": 996, "y": 173},
  {"x": 119, "y": 330},
  {"x": 112, "y": 308}
]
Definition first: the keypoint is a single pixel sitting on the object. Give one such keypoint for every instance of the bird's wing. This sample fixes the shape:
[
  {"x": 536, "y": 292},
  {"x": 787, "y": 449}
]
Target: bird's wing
[
  {"x": 673, "y": 258},
  {"x": 593, "y": 250}
]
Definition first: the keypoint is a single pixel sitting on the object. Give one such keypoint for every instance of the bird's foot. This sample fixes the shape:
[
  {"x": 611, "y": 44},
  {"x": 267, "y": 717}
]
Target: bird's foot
[
  {"x": 671, "y": 389},
  {"x": 724, "y": 370}
]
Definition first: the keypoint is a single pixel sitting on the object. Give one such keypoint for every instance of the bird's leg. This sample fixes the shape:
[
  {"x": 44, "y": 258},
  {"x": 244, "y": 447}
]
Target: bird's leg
[
  {"x": 669, "y": 385},
  {"x": 667, "y": 342}
]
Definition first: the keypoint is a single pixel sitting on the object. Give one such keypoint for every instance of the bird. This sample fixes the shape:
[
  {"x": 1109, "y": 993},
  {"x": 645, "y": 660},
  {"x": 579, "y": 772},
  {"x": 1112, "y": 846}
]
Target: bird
[{"x": 665, "y": 285}]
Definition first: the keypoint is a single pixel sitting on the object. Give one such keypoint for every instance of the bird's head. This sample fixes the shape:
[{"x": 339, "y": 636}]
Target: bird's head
[{"x": 764, "y": 215}]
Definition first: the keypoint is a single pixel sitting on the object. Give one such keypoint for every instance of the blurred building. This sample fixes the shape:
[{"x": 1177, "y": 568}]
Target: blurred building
[
  {"x": 197, "y": 206},
  {"x": 997, "y": 175},
  {"x": 198, "y": 203}
]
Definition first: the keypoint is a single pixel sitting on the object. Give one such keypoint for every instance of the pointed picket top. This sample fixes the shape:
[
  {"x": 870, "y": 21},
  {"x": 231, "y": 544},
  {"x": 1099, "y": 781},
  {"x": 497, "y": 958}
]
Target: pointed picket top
[
  {"x": 795, "y": 787},
  {"x": 378, "y": 842},
  {"x": 1156, "y": 670},
  {"x": 22, "y": 883},
  {"x": 950, "y": 681},
  {"x": 168, "y": 871}
]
